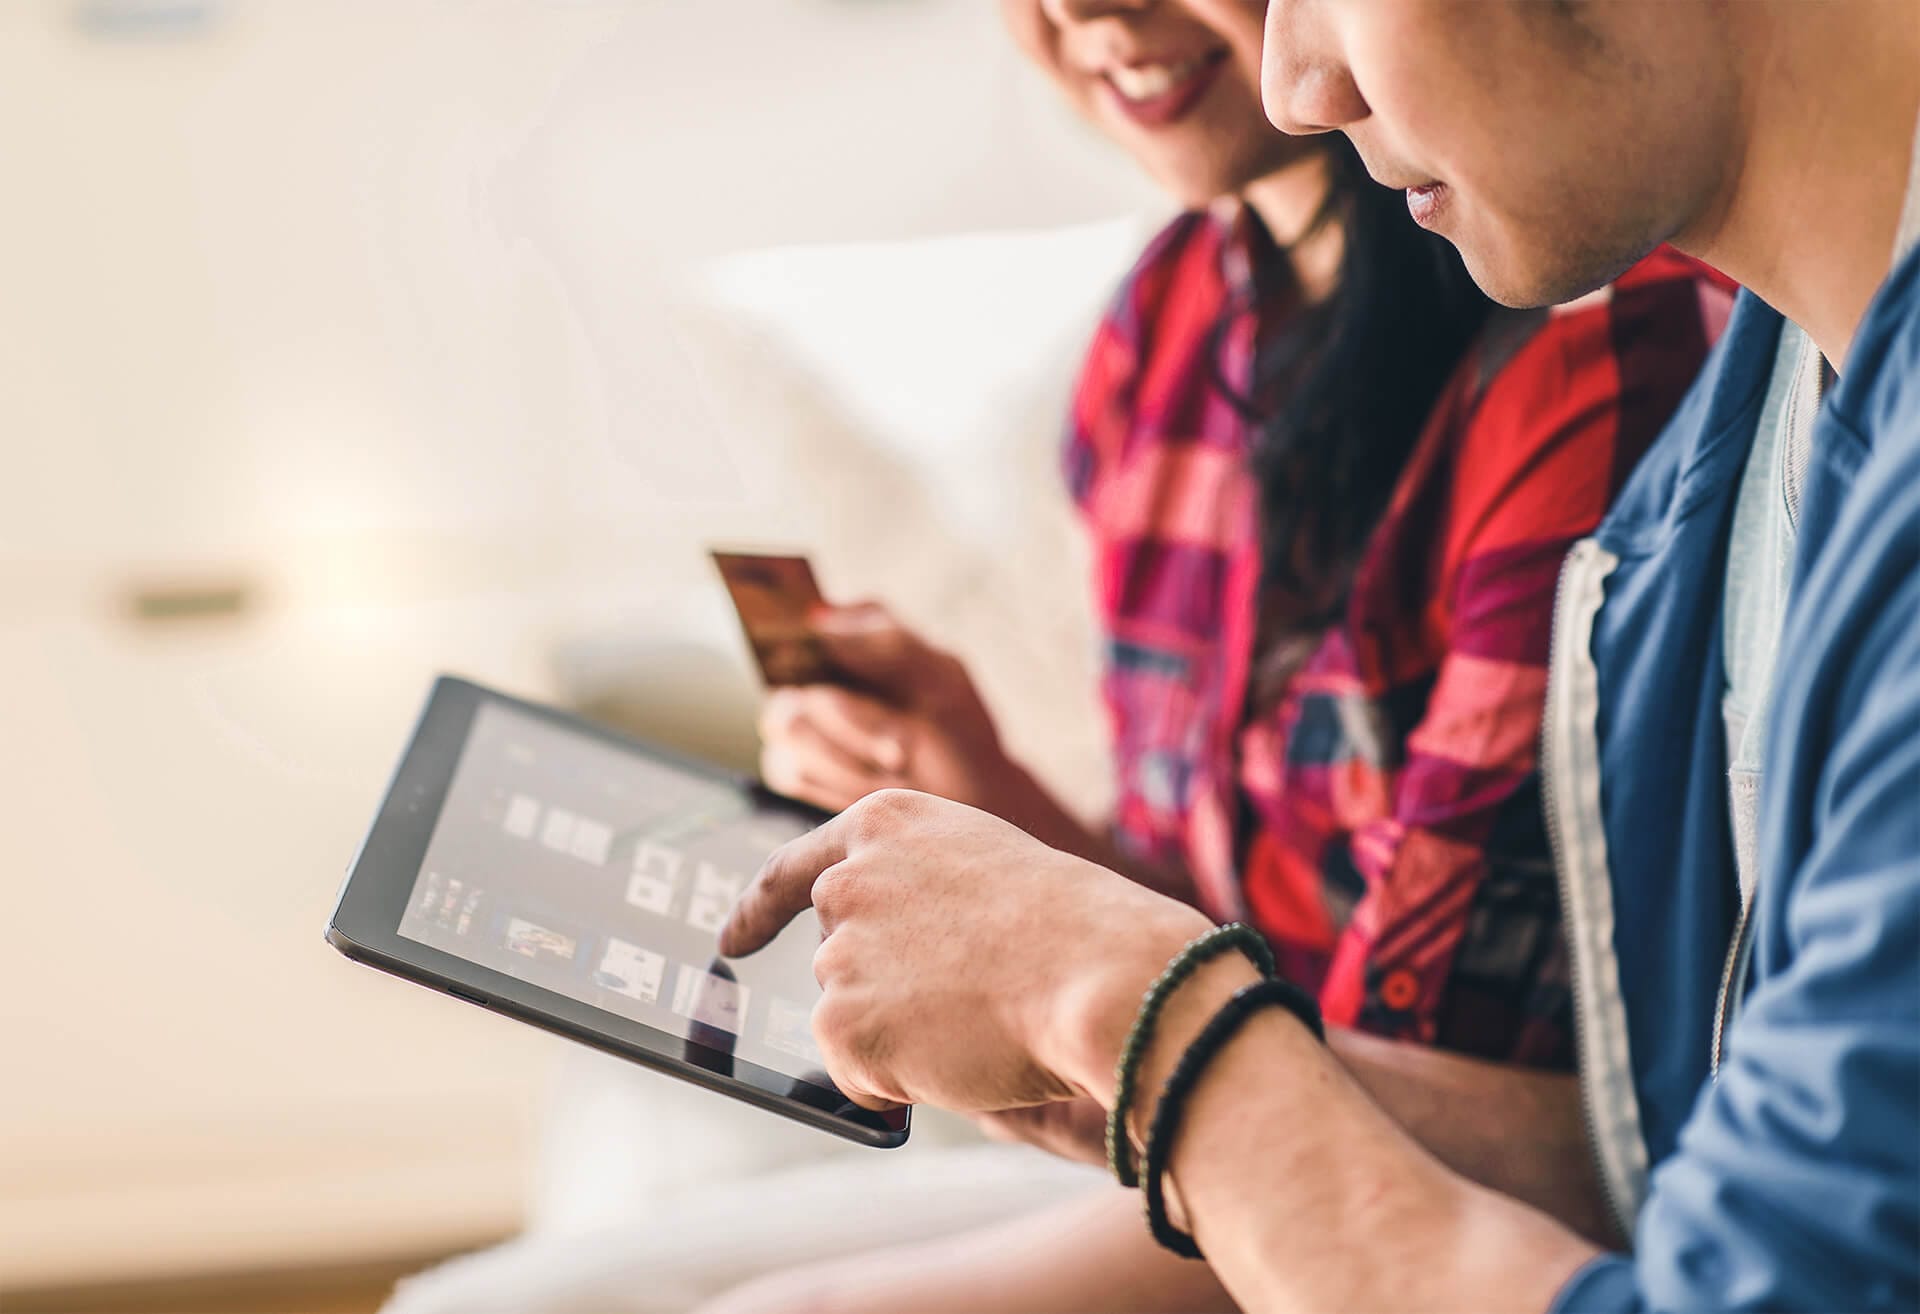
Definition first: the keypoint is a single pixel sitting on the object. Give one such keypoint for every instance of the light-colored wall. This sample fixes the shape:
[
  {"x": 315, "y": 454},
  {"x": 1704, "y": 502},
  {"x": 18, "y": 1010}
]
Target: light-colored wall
[
  {"x": 361, "y": 304},
  {"x": 330, "y": 264}
]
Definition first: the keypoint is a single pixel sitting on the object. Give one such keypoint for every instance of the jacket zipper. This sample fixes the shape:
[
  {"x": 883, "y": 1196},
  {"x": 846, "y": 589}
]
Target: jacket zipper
[
  {"x": 1730, "y": 975},
  {"x": 1577, "y": 558}
]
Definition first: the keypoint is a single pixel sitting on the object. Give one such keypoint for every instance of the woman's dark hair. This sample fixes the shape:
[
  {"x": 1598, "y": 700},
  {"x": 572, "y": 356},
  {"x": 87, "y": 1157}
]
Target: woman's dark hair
[{"x": 1342, "y": 391}]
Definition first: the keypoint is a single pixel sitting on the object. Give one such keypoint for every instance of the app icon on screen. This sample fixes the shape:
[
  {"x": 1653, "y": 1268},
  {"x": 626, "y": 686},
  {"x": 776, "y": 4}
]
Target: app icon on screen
[
  {"x": 655, "y": 879},
  {"x": 710, "y": 1000},
  {"x": 531, "y": 940},
  {"x": 447, "y": 904},
  {"x": 714, "y": 894},
  {"x": 591, "y": 841},
  {"x": 790, "y": 1030},
  {"x": 523, "y": 814},
  {"x": 630, "y": 970},
  {"x": 557, "y": 834}
]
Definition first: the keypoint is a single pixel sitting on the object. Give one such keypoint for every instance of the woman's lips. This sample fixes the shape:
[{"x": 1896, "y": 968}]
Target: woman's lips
[
  {"x": 1427, "y": 203},
  {"x": 1155, "y": 95}
]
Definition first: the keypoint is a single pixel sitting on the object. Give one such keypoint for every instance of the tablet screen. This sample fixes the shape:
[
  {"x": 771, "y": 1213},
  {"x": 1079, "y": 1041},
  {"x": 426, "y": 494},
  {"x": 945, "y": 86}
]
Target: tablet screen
[{"x": 605, "y": 876}]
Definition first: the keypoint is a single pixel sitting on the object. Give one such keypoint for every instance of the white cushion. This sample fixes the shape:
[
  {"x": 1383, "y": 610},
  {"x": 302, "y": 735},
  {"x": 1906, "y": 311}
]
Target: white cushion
[{"x": 943, "y": 370}]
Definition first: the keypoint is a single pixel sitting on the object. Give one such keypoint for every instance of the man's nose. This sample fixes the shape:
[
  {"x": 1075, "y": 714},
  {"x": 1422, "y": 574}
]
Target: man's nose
[{"x": 1303, "y": 83}]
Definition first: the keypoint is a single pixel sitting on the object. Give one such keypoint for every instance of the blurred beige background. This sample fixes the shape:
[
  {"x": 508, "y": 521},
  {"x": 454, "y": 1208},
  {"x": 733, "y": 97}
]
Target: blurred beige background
[{"x": 346, "y": 341}]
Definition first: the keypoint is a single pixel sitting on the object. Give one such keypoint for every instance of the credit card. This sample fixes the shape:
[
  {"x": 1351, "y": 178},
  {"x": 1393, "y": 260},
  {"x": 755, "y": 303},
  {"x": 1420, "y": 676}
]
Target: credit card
[{"x": 773, "y": 595}]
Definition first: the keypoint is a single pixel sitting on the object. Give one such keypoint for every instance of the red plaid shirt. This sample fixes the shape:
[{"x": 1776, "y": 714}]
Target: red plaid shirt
[{"x": 1380, "y": 820}]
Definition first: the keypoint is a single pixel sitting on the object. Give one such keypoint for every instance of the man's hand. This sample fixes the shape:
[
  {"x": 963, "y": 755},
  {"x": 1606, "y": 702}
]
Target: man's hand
[
  {"x": 964, "y": 963},
  {"x": 1071, "y": 1129}
]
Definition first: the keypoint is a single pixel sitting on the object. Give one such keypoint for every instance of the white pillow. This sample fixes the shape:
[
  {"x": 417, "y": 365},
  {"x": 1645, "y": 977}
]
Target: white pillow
[{"x": 944, "y": 367}]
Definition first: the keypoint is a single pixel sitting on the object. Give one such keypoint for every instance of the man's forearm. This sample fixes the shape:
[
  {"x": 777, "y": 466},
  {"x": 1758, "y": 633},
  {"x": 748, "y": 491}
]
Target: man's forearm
[
  {"x": 1346, "y": 1209},
  {"x": 1347, "y": 1212},
  {"x": 1516, "y": 1131}
]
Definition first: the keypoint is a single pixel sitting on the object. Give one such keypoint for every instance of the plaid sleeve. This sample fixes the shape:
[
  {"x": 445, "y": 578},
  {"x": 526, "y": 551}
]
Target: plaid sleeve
[
  {"x": 1456, "y": 938},
  {"x": 1103, "y": 414},
  {"x": 1145, "y": 458}
]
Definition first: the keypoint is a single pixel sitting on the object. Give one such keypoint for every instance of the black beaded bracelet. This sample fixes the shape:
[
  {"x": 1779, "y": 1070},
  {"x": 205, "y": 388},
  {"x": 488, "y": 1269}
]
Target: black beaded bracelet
[
  {"x": 1187, "y": 1073},
  {"x": 1202, "y": 949}
]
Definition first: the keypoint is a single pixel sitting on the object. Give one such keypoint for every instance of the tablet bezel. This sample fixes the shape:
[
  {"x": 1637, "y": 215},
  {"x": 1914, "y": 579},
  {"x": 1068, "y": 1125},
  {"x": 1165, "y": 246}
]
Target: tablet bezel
[{"x": 380, "y": 881}]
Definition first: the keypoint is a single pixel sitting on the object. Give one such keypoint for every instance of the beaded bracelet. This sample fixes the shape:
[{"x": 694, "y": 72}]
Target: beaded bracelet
[
  {"x": 1202, "y": 949},
  {"x": 1272, "y": 992}
]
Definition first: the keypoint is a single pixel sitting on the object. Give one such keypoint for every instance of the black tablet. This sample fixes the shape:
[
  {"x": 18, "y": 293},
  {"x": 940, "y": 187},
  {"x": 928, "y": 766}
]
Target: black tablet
[{"x": 573, "y": 878}]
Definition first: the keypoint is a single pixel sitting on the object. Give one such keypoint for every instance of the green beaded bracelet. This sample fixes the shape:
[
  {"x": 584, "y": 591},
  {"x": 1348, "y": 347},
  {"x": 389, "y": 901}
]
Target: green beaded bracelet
[{"x": 1202, "y": 949}]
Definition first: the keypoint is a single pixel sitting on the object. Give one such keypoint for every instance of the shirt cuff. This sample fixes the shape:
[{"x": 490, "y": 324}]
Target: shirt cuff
[{"x": 1605, "y": 1285}]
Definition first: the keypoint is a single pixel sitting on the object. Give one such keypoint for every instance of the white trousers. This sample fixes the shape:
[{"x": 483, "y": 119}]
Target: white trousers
[{"x": 654, "y": 1196}]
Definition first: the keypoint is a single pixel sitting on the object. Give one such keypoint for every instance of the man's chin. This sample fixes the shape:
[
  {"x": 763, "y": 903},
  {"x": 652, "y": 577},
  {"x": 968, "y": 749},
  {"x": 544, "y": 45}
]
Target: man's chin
[{"x": 1524, "y": 280}]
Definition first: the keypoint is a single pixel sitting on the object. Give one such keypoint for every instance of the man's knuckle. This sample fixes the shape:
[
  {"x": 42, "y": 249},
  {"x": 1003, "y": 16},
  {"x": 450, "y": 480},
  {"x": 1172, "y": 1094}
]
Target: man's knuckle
[
  {"x": 832, "y": 1024},
  {"x": 866, "y": 821},
  {"x": 893, "y": 807},
  {"x": 832, "y": 888}
]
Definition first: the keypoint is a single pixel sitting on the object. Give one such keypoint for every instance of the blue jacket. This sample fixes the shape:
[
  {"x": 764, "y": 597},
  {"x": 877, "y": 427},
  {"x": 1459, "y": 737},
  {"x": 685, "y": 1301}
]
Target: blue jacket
[{"x": 1789, "y": 1179}]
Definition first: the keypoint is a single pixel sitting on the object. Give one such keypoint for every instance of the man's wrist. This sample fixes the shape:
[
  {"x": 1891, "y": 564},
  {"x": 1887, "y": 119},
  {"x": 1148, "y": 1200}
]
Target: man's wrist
[
  {"x": 1097, "y": 1006},
  {"x": 1185, "y": 1015}
]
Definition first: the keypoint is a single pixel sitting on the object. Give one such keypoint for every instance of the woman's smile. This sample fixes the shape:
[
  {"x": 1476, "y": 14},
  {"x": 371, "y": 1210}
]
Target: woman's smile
[{"x": 1155, "y": 93}]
